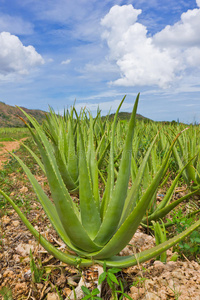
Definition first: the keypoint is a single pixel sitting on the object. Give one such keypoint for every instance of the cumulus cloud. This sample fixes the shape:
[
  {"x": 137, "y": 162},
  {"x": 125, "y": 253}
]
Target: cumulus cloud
[
  {"x": 151, "y": 60},
  {"x": 15, "y": 58},
  {"x": 184, "y": 33}
]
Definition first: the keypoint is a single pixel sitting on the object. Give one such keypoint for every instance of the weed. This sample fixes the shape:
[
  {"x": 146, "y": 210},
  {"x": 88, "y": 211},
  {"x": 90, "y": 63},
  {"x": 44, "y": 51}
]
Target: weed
[
  {"x": 90, "y": 294},
  {"x": 174, "y": 290},
  {"x": 189, "y": 246},
  {"x": 36, "y": 271},
  {"x": 109, "y": 276}
]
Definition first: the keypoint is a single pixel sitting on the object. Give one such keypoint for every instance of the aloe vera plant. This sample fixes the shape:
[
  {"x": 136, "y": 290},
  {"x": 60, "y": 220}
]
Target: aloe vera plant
[
  {"x": 99, "y": 228},
  {"x": 158, "y": 211},
  {"x": 188, "y": 148},
  {"x": 62, "y": 133}
]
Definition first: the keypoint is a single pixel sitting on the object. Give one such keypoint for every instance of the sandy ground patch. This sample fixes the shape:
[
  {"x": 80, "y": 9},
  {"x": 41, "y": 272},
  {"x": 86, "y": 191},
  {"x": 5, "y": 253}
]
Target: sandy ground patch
[{"x": 6, "y": 147}]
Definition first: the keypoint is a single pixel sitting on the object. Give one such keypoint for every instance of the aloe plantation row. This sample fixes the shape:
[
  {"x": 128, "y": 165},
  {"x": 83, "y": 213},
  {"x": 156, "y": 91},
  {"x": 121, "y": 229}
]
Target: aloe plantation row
[{"x": 115, "y": 168}]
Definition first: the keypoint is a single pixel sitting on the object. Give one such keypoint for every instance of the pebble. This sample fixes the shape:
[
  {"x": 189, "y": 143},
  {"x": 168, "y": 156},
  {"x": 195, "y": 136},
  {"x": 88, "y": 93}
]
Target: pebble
[
  {"x": 52, "y": 296},
  {"x": 15, "y": 223}
]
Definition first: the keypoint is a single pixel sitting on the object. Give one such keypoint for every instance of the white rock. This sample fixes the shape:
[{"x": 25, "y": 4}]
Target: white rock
[
  {"x": 52, "y": 296},
  {"x": 24, "y": 249},
  {"x": 151, "y": 296}
]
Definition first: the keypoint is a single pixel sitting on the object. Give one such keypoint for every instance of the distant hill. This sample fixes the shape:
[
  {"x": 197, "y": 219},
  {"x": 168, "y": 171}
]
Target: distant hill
[
  {"x": 127, "y": 115},
  {"x": 9, "y": 115}
]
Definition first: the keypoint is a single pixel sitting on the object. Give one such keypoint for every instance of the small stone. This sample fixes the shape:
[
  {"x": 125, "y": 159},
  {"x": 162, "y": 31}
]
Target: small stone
[
  {"x": 171, "y": 265},
  {"x": 39, "y": 286},
  {"x": 133, "y": 290},
  {"x": 27, "y": 275},
  {"x": 151, "y": 296},
  {"x": 159, "y": 265},
  {"x": 24, "y": 189},
  {"x": 5, "y": 220},
  {"x": 8, "y": 273},
  {"x": 21, "y": 288},
  {"x": 61, "y": 280},
  {"x": 16, "y": 258},
  {"x": 15, "y": 223},
  {"x": 24, "y": 249},
  {"x": 52, "y": 296},
  {"x": 66, "y": 291}
]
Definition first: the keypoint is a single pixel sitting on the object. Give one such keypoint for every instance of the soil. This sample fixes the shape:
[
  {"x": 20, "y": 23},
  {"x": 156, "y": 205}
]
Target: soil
[
  {"x": 6, "y": 147},
  {"x": 152, "y": 280}
]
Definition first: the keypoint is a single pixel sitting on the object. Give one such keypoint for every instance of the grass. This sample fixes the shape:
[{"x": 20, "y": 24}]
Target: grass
[{"x": 11, "y": 134}]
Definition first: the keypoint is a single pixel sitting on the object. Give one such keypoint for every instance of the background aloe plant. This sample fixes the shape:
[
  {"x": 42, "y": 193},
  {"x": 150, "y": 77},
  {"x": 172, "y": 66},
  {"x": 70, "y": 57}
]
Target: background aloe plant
[
  {"x": 100, "y": 227},
  {"x": 188, "y": 147}
]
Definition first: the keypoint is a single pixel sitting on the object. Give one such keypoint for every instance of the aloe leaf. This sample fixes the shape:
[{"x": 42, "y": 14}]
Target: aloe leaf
[
  {"x": 72, "y": 157},
  {"x": 130, "y": 225},
  {"x": 66, "y": 258},
  {"x": 116, "y": 261},
  {"x": 38, "y": 140},
  {"x": 132, "y": 197},
  {"x": 118, "y": 196},
  {"x": 38, "y": 161},
  {"x": 48, "y": 206},
  {"x": 102, "y": 149},
  {"x": 134, "y": 169},
  {"x": 165, "y": 201},
  {"x": 90, "y": 215},
  {"x": 65, "y": 174},
  {"x": 160, "y": 236},
  {"x": 128, "y": 261},
  {"x": 92, "y": 163},
  {"x": 64, "y": 205},
  {"x": 159, "y": 214},
  {"x": 110, "y": 180}
]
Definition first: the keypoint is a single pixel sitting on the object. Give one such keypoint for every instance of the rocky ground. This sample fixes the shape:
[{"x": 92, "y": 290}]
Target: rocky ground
[{"x": 151, "y": 280}]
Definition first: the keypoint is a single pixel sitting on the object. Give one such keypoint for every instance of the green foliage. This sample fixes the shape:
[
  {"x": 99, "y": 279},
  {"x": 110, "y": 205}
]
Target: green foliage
[
  {"x": 6, "y": 293},
  {"x": 36, "y": 271},
  {"x": 188, "y": 147},
  {"x": 109, "y": 276},
  {"x": 160, "y": 237},
  {"x": 90, "y": 294},
  {"x": 11, "y": 134},
  {"x": 190, "y": 246},
  {"x": 104, "y": 221}
]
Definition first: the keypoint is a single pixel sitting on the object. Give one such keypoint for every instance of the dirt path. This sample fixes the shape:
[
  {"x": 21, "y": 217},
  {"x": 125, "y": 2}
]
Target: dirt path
[{"x": 8, "y": 147}]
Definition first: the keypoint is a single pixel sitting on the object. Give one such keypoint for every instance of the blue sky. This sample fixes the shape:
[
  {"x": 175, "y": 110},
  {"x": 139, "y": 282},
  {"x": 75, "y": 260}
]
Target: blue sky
[{"x": 53, "y": 52}]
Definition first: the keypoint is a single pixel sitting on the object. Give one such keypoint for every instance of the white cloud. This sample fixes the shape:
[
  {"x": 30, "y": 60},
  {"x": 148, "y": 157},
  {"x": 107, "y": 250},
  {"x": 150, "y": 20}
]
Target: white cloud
[
  {"x": 15, "y": 58},
  {"x": 66, "y": 62},
  {"x": 156, "y": 60},
  {"x": 184, "y": 33},
  {"x": 15, "y": 25}
]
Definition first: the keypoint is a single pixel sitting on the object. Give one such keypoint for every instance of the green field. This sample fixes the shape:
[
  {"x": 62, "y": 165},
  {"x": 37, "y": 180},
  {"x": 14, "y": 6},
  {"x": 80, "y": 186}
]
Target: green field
[
  {"x": 11, "y": 134},
  {"x": 102, "y": 180}
]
